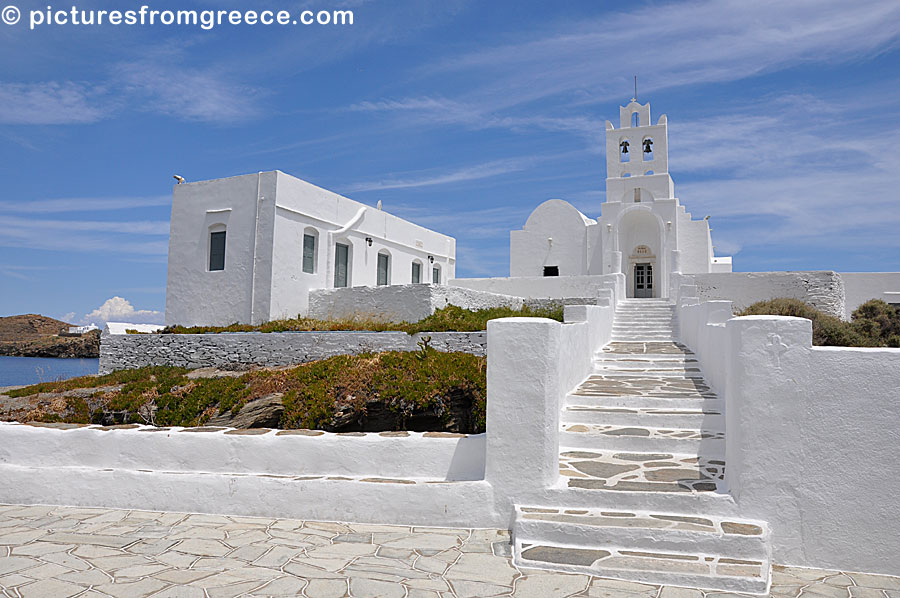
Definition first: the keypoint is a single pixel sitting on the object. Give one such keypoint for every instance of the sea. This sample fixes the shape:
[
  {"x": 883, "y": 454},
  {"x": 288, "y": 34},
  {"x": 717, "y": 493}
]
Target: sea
[{"x": 32, "y": 370}]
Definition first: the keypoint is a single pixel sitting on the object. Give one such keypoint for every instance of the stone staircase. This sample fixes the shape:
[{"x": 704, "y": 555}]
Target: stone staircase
[{"x": 641, "y": 490}]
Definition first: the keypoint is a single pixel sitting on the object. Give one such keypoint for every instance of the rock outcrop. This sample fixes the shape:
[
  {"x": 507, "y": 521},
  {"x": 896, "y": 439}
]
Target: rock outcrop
[{"x": 33, "y": 335}]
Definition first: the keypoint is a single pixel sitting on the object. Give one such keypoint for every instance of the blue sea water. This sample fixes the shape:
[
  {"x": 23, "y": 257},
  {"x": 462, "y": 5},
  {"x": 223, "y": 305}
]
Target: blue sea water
[{"x": 31, "y": 370}]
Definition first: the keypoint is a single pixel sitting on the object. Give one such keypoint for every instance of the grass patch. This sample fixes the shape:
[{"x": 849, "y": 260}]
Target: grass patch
[
  {"x": 423, "y": 390},
  {"x": 873, "y": 324},
  {"x": 447, "y": 319}
]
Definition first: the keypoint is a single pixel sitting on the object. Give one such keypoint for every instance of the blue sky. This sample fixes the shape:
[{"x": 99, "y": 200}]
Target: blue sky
[{"x": 784, "y": 126}]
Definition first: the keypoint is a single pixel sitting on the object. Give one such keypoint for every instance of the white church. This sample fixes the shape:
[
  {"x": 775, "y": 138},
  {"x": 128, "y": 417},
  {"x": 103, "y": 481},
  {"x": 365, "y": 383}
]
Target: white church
[{"x": 643, "y": 231}]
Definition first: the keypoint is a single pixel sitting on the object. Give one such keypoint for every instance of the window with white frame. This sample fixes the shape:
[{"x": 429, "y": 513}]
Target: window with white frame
[
  {"x": 341, "y": 265},
  {"x": 217, "y": 249},
  {"x": 384, "y": 269},
  {"x": 310, "y": 243}
]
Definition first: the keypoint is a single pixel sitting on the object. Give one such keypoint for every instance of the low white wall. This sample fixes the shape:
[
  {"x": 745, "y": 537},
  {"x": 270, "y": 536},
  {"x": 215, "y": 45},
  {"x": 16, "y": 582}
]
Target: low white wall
[
  {"x": 212, "y": 450},
  {"x": 400, "y": 478},
  {"x": 321, "y": 476},
  {"x": 400, "y": 303},
  {"x": 535, "y": 287},
  {"x": 823, "y": 290},
  {"x": 532, "y": 364},
  {"x": 860, "y": 287},
  {"x": 811, "y": 435}
]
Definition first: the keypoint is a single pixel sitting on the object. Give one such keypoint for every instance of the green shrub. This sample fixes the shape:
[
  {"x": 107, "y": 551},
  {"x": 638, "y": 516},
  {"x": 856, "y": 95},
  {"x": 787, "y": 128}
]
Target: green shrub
[
  {"x": 449, "y": 388},
  {"x": 447, "y": 319},
  {"x": 874, "y": 323}
]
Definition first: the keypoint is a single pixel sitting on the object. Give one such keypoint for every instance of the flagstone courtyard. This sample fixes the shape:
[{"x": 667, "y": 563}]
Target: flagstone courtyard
[{"x": 64, "y": 552}]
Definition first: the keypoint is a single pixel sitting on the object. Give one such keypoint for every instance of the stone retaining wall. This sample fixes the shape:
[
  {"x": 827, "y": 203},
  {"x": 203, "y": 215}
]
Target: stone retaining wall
[{"x": 229, "y": 350}]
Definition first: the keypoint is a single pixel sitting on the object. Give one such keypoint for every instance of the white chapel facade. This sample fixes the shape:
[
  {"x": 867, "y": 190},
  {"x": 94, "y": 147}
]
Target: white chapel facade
[{"x": 643, "y": 231}]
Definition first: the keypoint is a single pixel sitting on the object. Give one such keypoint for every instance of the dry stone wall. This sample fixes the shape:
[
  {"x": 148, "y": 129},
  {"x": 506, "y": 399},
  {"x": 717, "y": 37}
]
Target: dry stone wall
[{"x": 236, "y": 350}]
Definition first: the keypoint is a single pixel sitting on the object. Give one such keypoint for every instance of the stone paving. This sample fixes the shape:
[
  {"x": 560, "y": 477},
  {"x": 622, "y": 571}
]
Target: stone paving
[
  {"x": 654, "y": 472},
  {"x": 637, "y": 385},
  {"x": 67, "y": 552},
  {"x": 647, "y": 347}
]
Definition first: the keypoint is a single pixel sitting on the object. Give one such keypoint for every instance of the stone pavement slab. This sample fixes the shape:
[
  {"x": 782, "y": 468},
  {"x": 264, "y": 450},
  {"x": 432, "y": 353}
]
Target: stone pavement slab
[{"x": 66, "y": 552}]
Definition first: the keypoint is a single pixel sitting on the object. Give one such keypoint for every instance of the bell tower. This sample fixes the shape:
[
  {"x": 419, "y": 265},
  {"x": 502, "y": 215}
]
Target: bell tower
[{"x": 637, "y": 156}]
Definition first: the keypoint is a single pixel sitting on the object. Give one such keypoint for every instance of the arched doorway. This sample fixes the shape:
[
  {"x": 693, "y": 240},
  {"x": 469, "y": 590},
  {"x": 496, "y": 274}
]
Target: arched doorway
[{"x": 640, "y": 238}]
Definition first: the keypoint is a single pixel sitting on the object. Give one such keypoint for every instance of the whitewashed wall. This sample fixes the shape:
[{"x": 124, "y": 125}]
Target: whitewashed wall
[
  {"x": 555, "y": 234},
  {"x": 537, "y": 287},
  {"x": 406, "y": 303},
  {"x": 823, "y": 290},
  {"x": 193, "y": 294},
  {"x": 532, "y": 364},
  {"x": 265, "y": 216},
  {"x": 811, "y": 435},
  {"x": 860, "y": 287},
  {"x": 302, "y": 205},
  {"x": 414, "y": 479}
]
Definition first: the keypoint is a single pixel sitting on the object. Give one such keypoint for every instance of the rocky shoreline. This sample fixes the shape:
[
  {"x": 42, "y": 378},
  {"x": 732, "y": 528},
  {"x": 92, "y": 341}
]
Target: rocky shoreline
[{"x": 85, "y": 346}]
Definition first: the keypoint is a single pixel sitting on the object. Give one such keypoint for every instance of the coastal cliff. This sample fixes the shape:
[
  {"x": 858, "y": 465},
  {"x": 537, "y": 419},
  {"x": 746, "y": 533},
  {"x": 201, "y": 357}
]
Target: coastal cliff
[{"x": 33, "y": 335}]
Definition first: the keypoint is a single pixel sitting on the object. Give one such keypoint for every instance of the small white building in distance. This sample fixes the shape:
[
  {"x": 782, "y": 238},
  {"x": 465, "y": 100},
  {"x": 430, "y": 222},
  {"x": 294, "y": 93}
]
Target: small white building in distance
[
  {"x": 643, "y": 231},
  {"x": 249, "y": 249}
]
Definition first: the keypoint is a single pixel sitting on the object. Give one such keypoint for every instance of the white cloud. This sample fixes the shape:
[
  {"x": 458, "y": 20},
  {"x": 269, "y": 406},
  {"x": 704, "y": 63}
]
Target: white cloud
[
  {"x": 189, "y": 94},
  {"x": 69, "y": 317},
  {"x": 676, "y": 44},
  {"x": 50, "y": 103},
  {"x": 468, "y": 173},
  {"x": 83, "y": 204},
  {"x": 117, "y": 309},
  {"x": 121, "y": 237}
]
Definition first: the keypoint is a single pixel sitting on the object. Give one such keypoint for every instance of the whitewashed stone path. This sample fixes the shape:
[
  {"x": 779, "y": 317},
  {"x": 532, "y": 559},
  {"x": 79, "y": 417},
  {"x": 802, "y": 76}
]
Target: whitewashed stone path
[
  {"x": 67, "y": 552},
  {"x": 642, "y": 492}
]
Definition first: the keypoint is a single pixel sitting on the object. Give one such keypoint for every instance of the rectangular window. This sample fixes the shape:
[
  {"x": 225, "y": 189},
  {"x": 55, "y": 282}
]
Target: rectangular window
[
  {"x": 416, "y": 273},
  {"x": 436, "y": 275},
  {"x": 383, "y": 263},
  {"x": 309, "y": 254},
  {"x": 551, "y": 270},
  {"x": 217, "y": 251},
  {"x": 341, "y": 265}
]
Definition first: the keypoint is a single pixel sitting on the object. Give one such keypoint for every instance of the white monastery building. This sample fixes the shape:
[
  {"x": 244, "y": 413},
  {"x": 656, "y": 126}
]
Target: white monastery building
[
  {"x": 249, "y": 249},
  {"x": 264, "y": 246},
  {"x": 643, "y": 232}
]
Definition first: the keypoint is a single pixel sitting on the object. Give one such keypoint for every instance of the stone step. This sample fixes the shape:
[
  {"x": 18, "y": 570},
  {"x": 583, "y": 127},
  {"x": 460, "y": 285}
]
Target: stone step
[
  {"x": 614, "y": 472},
  {"x": 642, "y": 338},
  {"x": 708, "y": 417},
  {"x": 711, "y": 441},
  {"x": 637, "y": 385},
  {"x": 658, "y": 548},
  {"x": 641, "y": 402},
  {"x": 639, "y": 335},
  {"x": 637, "y": 365},
  {"x": 652, "y": 328},
  {"x": 638, "y": 348},
  {"x": 637, "y": 358},
  {"x": 611, "y": 371}
]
